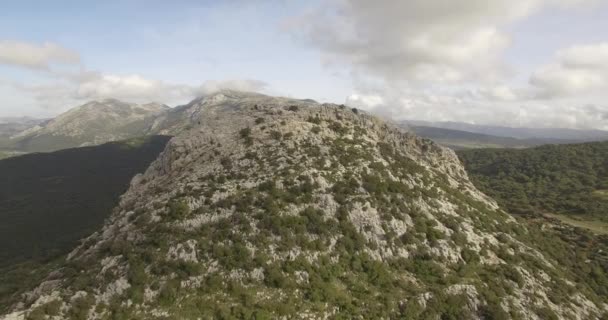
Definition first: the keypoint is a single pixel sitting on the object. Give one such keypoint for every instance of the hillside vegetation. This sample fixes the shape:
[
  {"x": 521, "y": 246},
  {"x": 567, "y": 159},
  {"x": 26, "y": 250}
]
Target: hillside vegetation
[
  {"x": 560, "y": 179},
  {"x": 271, "y": 208},
  {"x": 564, "y": 185}
]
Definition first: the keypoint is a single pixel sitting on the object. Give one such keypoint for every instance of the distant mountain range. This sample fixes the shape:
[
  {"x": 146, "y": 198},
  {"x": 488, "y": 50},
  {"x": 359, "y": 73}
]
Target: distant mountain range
[
  {"x": 518, "y": 133},
  {"x": 457, "y": 139},
  {"x": 98, "y": 122},
  {"x": 12, "y": 126}
]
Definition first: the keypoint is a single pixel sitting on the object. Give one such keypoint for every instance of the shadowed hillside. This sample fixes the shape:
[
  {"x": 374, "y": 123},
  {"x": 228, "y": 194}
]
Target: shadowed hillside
[{"x": 48, "y": 201}]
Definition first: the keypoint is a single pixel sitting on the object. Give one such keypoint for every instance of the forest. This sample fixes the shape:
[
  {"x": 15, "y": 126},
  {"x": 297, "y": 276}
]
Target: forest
[{"x": 562, "y": 179}]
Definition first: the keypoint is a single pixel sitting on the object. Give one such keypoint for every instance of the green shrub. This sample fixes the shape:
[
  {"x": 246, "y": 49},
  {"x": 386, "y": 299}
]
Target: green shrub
[
  {"x": 546, "y": 313},
  {"x": 81, "y": 307},
  {"x": 226, "y": 162},
  {"x": 469, "y": 256},
  {"x": 245, "y": 134},
  {"x": 274, "y": 277},
  {"x": 168, "y": 293},
  {"x": 315, "y": 120},
  {"x": 178, "y": 209}
]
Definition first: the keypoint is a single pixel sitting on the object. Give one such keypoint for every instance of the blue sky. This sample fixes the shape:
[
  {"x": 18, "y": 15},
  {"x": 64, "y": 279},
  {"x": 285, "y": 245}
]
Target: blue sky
[{"x": 503, "y": 62}]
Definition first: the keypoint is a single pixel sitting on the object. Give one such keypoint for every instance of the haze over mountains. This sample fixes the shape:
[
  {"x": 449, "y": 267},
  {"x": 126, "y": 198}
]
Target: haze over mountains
[
  {"x": 460, "y": 133},
  {"x": 93, "y": 123},
  {"x": 97, "y": 122}
]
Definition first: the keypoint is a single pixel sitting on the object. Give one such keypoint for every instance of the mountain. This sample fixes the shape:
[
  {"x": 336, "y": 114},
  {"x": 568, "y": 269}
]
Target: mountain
[
  {"x": 457, "y": 139},
  {"x": 563, "y": 134},
  {"x": 93, "y": 123},
  {"x": 188, "y": 116},
  {"x": 266, "y": 208}
]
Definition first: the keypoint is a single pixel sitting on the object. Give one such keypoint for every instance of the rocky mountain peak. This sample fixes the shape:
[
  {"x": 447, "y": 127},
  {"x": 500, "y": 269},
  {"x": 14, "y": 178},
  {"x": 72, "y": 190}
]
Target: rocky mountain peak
[{"x": 265, "y": 207}]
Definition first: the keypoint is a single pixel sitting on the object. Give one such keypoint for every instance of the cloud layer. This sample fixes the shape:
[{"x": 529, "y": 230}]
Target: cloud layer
[
  {"x": 61, "y": 89},
  {"x": 417, "y": 59},
  {"x": 36, "y": 56},
  {"x": 416, "y": 40},
  {"x": 87, "y": 86},
  {"x": 576, "y": 70}
]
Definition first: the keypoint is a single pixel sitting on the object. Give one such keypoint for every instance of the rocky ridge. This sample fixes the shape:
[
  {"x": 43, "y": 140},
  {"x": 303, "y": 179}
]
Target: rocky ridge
[{"x": 268, "y": 207}]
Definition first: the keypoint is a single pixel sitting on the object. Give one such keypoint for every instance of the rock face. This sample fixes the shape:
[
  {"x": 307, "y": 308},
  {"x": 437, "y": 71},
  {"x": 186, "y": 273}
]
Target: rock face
[
  {"x": 93, "y": 123},
  {"x": 266, "y": 208}
]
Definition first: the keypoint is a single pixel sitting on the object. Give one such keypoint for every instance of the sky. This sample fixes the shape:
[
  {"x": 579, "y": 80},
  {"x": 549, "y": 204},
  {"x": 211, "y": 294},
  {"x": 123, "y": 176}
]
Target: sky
[{"x": 531, "y": 63}]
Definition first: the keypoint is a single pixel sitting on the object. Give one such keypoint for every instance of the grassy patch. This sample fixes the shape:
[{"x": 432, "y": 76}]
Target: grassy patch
[
  {"x": 601, "y": 194},
  {"x": 595, "y": 226}
]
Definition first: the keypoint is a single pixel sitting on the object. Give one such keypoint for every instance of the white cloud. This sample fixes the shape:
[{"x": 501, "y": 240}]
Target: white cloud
[
  {"x": 130, "y": 88},
  {"x": 238, "y": 84},
  {"x": 443, "y": 60},
  {"x": 431, "y": 106},
  {"x": 574, "y": 71},
  {"x": 65, "y": 88},
  {"x": 36, "y": 56},
  {"x": 138, "y": 88},
  {"x": 86, "y": 86},
  {"x": 416, "y": 40}
]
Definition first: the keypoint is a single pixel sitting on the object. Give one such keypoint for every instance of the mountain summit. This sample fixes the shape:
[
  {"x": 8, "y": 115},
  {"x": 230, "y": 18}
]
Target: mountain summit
[
  {"x": 93, "y": 123},
  {"x": 266, "y": 208}
]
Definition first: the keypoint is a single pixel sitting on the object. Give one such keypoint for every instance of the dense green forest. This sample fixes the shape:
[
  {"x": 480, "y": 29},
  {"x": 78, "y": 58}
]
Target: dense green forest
[
  {"x": 563, "y": 179},
  {"x": 48, "y": 201}
]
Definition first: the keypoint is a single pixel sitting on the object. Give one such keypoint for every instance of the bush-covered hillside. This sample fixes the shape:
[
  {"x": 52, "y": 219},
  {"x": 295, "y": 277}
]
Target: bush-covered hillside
[
  {"x": 48, "y": 201},
  {"x": 566, "y": 179},
  {"x": 275, "y": 208}
]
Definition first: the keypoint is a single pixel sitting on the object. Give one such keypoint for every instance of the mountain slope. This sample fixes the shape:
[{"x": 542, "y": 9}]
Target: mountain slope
[
  {"x": 272, "y": 207},
  {"x": 93, "y": 123}
]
